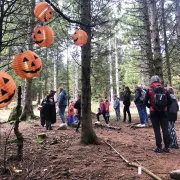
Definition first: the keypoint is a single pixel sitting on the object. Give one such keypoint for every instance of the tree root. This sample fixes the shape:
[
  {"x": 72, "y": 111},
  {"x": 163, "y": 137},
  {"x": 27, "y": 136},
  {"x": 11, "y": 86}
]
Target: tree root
[{"x": 133, "y": 164}]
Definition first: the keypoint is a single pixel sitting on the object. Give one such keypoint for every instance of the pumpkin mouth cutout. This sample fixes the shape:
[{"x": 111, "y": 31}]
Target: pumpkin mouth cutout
[
  {"x": 38, "y": 42},
  {"x": 32, "y": 72},
  {"x": 75, "y": 40},
  {"x": 8, "y": 99}
]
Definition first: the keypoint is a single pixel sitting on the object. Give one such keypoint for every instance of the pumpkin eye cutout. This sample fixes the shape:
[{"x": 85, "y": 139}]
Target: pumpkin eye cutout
[
  {"x": 43, "y": 35},
  {"x": 43, "y": 12},
  {"x": 80, "y": 37},
  {"x": 27, "y": 64},
  {"x": 25, "y": 60},
  {"x": 7, "y": 89}
]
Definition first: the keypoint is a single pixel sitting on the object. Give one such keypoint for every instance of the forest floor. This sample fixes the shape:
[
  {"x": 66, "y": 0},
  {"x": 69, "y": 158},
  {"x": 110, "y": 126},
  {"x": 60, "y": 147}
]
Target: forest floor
[{"x": 68, "y": 159}]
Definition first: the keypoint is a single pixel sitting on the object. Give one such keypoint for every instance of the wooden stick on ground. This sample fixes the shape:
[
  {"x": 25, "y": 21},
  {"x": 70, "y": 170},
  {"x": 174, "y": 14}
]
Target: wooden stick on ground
[
  {"x": 133, "y": 164},
  {"x": 105, "y": 126}
]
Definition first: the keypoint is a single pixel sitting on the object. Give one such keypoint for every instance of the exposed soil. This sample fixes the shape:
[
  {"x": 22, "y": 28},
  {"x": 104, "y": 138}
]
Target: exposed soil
[{"x": 68, "y": 159}]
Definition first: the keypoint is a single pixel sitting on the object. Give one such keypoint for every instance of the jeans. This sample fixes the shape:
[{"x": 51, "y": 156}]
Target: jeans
[
  {"x": 141, "y": 113},
  {"x": 61, "y": 113},
  {"x": 117, "y": 114},
  {"x": 126, "y": 109},
  {"x": 172, "y": 133},
  {"x": 145, "y": 113},
  {"x": 160, "y": 119}
]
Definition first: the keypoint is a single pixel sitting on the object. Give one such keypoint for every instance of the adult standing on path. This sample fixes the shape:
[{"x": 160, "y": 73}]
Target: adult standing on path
[
  {"x": 127, "y": 102},
  {"x": 62, "y": 103},
  {"x": 172, "y": 117},
  {"x": 116, "y": 106},
  {"x": 157, "y": 99},
  {"x": 140, "y": 106}
]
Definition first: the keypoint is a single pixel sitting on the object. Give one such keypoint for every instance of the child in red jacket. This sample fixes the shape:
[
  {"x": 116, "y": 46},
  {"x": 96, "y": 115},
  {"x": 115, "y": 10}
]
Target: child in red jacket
[{"x": 71, "y": 118}]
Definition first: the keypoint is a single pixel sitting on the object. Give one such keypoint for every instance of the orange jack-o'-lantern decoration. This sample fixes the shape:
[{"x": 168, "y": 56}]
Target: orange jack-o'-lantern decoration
[
  {"x": 43, "y": 11},
  {"x": 43, "y": 35},
  {"x": 27, "y": 64},
  {"x": 7, "y": 89},
  {"x": 80, "y": 37}
]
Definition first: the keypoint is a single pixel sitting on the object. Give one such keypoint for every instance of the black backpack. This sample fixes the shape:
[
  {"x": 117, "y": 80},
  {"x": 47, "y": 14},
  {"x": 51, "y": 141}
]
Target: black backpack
[{"x": 160, "y": 99}]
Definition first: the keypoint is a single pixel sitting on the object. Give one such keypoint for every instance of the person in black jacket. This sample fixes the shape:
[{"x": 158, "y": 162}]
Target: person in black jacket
[
  {"x": 173, "y": 108},
  {"x": 77, "y": 106},
  {"x": 127, "y": 102},
  {"x": 49, "y": 110}
]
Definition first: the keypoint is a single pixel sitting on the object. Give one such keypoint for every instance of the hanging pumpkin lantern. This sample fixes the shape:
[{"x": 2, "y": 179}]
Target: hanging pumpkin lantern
[
  {"x": 7, "y": 89},
  {"x": 27, "y": 64},
  {"x": 80, "y": 37},
  {"x": 43, "y": 11},
  {"x": 43, "y": 35}
]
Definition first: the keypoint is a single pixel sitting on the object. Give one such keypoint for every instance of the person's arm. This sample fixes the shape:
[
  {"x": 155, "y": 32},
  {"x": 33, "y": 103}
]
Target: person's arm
[
  {"x": 169, "y": 100},
  {"x": 146, "y": 99},
  {"x": 137, "y": 95}
]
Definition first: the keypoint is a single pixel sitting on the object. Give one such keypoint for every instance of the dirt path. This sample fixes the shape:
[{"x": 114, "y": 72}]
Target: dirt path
[{"x": 68, "y": 159}]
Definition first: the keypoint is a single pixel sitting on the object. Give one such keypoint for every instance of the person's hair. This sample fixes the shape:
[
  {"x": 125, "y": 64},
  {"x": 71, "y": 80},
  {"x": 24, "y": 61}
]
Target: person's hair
[
  {"x": 155, "y": 78},
  {"x": 115, "y": 95},
  {"x": 60, "y": 89},
  {"x": 126, "y": 87},
  {"x": 170, "y": 90}
]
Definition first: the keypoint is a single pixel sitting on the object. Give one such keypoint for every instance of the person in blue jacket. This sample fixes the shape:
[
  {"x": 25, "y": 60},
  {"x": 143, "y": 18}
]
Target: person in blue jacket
[
  {"x": 62, "y": 103},
  {"x": 116, "y": 107}
]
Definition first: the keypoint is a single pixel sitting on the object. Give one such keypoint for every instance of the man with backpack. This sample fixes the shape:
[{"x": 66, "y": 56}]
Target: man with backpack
[{"x": 157, "y": 99}]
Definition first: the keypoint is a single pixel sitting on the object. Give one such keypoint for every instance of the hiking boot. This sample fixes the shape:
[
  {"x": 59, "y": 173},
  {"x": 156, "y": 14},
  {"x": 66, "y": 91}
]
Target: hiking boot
[
  {"x": 157, "y": 150},
  {"x": 166, "y": 150}
]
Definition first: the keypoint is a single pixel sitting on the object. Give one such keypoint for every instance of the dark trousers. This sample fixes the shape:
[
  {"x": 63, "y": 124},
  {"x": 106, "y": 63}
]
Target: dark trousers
[
  {"x": 160, "y": 119},
  {"x": 78, "y": 118},
  {"x": 104, "y": 116},
  {"x": 48, "y": 124},
  {"x": 126, "y": 109}
]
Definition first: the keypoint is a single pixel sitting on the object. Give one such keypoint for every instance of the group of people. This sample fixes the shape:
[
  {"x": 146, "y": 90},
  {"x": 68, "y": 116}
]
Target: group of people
[
  {"x": 161, "y": 102},
  {"x": 48, "y": 110},
  {"x": 162, "y": 105}
]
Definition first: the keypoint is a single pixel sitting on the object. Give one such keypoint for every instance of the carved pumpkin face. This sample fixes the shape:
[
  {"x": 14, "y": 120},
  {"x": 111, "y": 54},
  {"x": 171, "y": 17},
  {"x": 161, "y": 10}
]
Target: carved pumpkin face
[
  {"x": 27, "y": 64},
  {"x": 43, "y": 11},
  {"x": 80, "y": 37},
  {"x": 43, "y": 35},
  {"x": 7, "y": 89}
]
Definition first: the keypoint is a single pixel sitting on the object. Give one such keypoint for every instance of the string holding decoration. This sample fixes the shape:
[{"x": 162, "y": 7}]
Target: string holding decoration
[
  {"x": 43, "y": 11},
  {"x": 27, "y": 64},
  {"x": 80, "y": 37},
  {"x": 7, "y": 89}
]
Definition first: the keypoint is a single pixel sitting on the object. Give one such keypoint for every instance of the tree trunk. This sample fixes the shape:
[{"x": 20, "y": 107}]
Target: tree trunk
[
  {"x": 149, "y": 69},
  {"x": 55, "y": 70},
  {"x": 68, "y": 95},
  {"x": 156, "y": 40},
  {"x": 76, "y": 78},
  {"x": 178, "y": 18},
  {"x": 110, "y": 72},
  {"x": 117, "y": 68},
  {"x": 19, "y": 136},
  {"x": 88, "y": 135},
  {"x": 168, "y": 65},
  {"x": 46, "y": 73},
  {"x": 28, "y": 108},
  {"x": 1, "y": 23}
]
